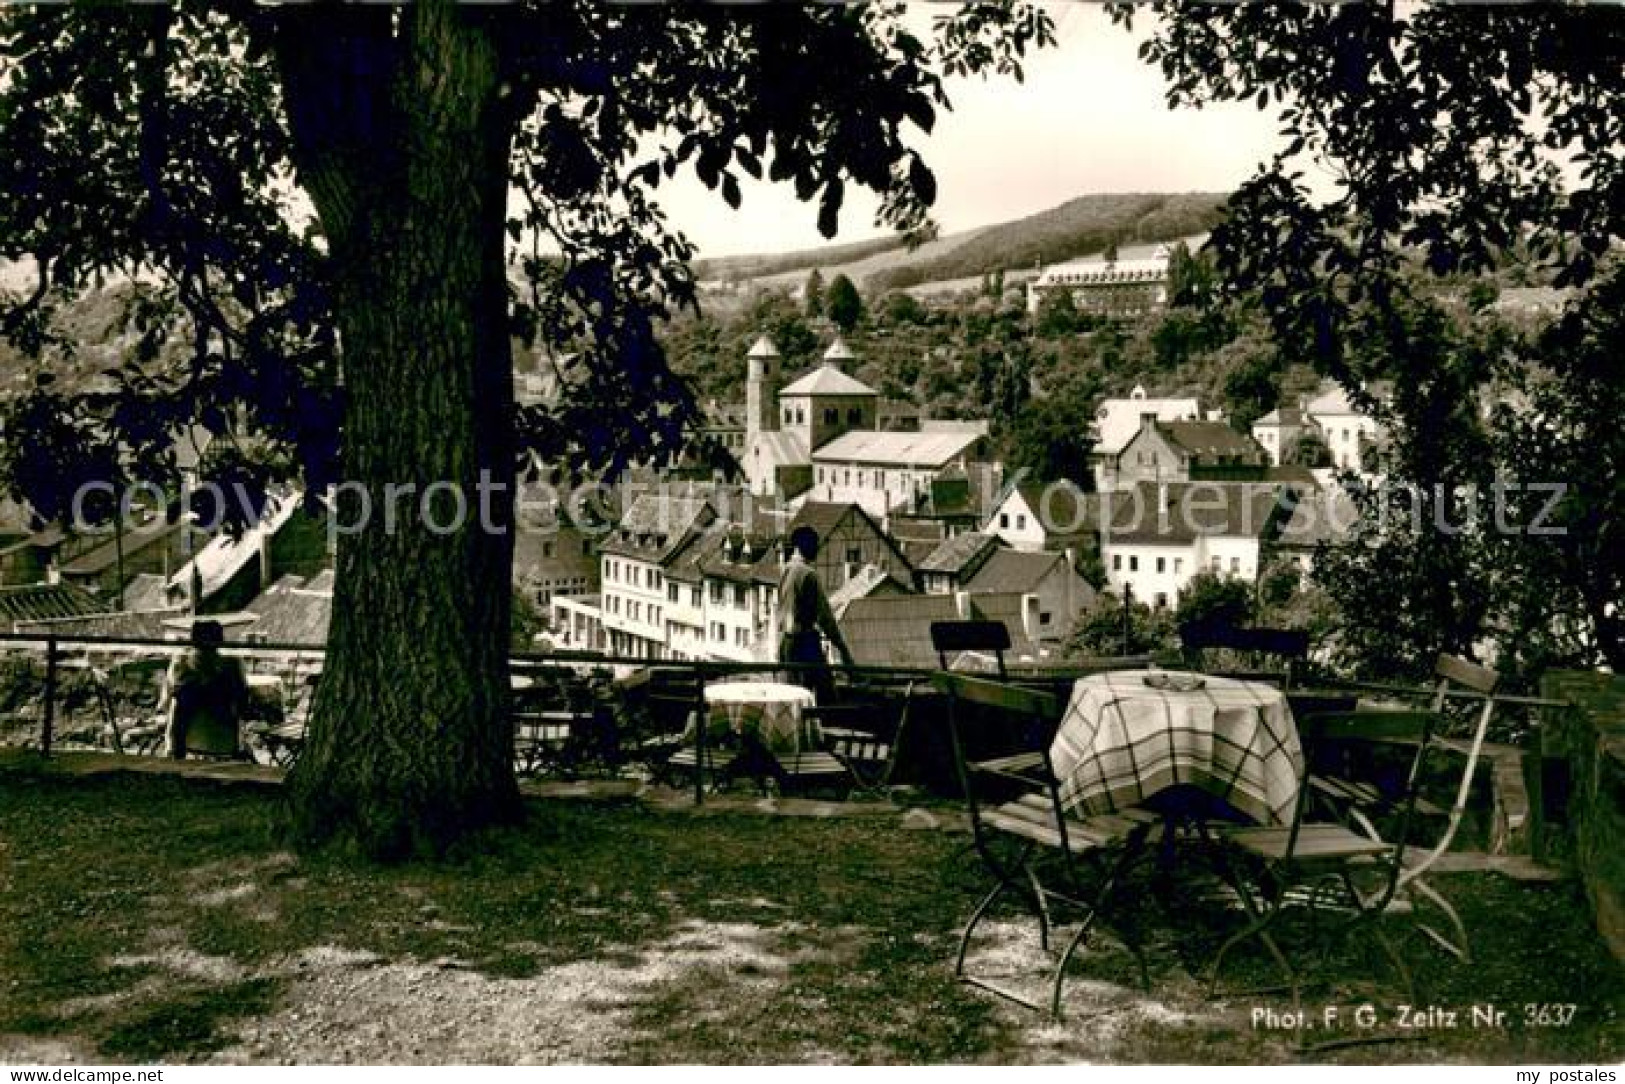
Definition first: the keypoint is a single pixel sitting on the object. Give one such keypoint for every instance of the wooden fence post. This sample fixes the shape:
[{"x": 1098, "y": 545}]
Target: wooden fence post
[
  {"x": 48, "y": 722},
  {"x": 702, "y": 724}
]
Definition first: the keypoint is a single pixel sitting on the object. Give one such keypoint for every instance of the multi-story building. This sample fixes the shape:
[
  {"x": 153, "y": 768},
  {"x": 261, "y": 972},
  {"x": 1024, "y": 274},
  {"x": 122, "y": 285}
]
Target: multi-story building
[
  {"x": 553, "y": 556},
  {"x": 1278, "y": 431},
  {"x": 632, "y": 573},
  {"x": 1117, "y": 421},
  {"x": 1346, "y": 429},
  {"x": 882, "y": 471},
  {"x": 1182, "y": 451},
  {"x": 1038, "y": 516},
  {"x": 1111, "y": 287},
  {"x": 1160, "y": 535}
]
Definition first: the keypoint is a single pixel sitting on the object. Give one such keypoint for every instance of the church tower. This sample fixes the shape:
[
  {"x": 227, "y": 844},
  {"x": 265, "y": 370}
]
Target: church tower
[{"x": 761, "y": 389}]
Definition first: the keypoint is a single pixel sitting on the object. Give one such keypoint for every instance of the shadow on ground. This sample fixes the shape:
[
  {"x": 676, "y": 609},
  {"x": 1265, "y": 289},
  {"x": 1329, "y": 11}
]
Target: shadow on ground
[{"x": 150, "y": 919}]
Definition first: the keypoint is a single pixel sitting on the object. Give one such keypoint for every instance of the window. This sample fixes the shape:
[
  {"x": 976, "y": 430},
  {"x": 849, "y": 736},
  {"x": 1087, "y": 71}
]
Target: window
[
  {"x": 1235, "y": 565},
  {"x": 846, "y": 477},
  {"x": 788, "y": 416},
  {"x": 739, "y": 596},
  {"x": 1133, "y": 563},
  {"x": 719, "y": 632},
  {"x": 1117, "y": 562},
  {"x": 1004, "y": 521},
  {"x": 1021, "y": 521},
  {"x": 1162, "y": 600},
  {"x": 832, "y": 416},
  {"x": 854, "y": 416},
  {"x": 547, "y": 549},
  {"x": 694, "y": 597},
  {"x": 854, "y": 555},
  {"x": 1162, "y": 564},
  {"x": 671, "y": 592},
  {"x": 1218, "y": 564},
  {"x": 1179, "y": 565},
  {"x": 1043, "y": 617},
  {"x": 586, "y": 548},
  {"x": 716, "y": 593},
  {"x": 741, "y": 638},
  {"x": 801, "y": 417},
  {"x": 820, "y": 474}
]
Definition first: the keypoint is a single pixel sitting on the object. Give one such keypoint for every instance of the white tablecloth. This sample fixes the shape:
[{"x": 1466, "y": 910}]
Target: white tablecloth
[{"x": 770, "y": 710}]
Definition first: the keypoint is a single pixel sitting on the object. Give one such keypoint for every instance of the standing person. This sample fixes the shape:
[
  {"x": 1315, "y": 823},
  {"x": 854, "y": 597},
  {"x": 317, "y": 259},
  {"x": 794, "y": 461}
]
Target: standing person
[
  {"x": 805, "y": 618},
  {"x": 207, "y": 697}
]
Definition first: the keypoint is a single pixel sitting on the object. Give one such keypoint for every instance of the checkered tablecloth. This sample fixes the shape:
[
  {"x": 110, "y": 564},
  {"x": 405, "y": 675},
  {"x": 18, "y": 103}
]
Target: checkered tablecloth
[
  {"x": 1122, "y": 741},
  {"x": 771, "y": 711}
]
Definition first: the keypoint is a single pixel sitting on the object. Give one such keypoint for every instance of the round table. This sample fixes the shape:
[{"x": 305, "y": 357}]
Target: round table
[
  {"x": 771, "y": 711},
  {"x": 1124, "y": 739}
]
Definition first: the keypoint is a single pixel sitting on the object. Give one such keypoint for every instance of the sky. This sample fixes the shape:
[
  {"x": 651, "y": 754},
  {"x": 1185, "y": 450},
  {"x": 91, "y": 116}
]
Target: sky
[{"x": 1090, "y": 117}]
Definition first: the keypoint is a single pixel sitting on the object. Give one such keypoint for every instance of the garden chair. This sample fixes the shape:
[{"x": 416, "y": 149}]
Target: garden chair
[
  {"x": 1366, "y": 803},
  {"x": 869, "y": 755},
  {"x": 948, "y": 637},
  {"x": 1289, "y": 646},
  {"x": 1050, "y": 860},
  {"x": 1331, "y": 865}
]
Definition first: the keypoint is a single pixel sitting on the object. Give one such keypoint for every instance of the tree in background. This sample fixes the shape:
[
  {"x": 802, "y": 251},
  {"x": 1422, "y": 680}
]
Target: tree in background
[
  {"x": 1558, "y": 578},
  {"x": 1049, "y": 437},
  {"x": 1058, "y": 315},
  {"x": 900, "y": 308},
  {"x": 1442, "y": 132},
  {"x": 1214, "y": 600},
  {"x": 311, "y": 206},
  {"x": 813, "y": 294},
  {"x": 843, "y": 303},
  {"x": 1190, "y": 278},
  {"x": 1118, "y": 628}
]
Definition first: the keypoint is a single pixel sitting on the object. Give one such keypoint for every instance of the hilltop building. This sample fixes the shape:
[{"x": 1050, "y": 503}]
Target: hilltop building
[{"x": 1107, "y": 287}]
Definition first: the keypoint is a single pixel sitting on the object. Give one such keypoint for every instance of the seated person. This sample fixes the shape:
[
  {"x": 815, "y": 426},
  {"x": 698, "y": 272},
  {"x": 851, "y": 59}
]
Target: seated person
[{"x": 208, "y": 695}]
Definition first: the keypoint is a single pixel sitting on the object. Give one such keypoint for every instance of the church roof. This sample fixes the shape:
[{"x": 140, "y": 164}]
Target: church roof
[
  {"x": 839, "y": 351},
  {"x": 897, "y": 449},
  {"x": 828, "y": 380}
]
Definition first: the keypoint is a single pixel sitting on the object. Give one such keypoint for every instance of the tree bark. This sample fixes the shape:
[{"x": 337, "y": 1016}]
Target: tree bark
[{"x": 402, "y": 140}]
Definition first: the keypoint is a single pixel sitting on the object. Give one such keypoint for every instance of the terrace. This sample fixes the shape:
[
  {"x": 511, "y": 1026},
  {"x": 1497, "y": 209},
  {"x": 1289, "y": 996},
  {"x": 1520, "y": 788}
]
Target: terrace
[{"x": 155, "y": 916}]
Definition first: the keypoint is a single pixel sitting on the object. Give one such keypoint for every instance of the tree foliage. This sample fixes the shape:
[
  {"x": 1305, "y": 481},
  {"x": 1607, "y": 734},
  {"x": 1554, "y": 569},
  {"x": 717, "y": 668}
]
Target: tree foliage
[
  {"x": 843, "y": 303},
  {"x": 311, "y": 204},
  {"x": 1445, "y": 136},
  {"x": 813, "y": 294},
  {"x": 1214, "y": 600}
]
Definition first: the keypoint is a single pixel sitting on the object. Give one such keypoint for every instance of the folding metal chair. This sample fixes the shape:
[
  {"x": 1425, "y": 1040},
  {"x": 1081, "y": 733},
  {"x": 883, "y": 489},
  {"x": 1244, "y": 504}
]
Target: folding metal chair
[
  {"x": 1319, "y": 865},
  {"x": 1052, "y": 846},
  {"x": 1365, "y": 803}
]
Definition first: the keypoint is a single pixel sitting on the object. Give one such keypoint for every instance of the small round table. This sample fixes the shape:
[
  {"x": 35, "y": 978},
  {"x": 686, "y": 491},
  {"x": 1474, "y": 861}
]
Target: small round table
[
  {"x": 771, "y": 711},
  {"x": 1125, "y": 738}
]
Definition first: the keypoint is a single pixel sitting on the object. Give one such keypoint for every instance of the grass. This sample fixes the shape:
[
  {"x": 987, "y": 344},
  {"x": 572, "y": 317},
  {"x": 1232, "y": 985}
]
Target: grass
[{"x": 150, "y": 918}]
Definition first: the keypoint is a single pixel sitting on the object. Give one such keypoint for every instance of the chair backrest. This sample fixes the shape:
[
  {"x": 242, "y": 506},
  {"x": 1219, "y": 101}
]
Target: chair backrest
[
  {"x": 1291, "y": 646},
  {"x": 1015, "y": 699},
  {"x": 947, "y": 636},
  {"x": 1454, "y": 670}
]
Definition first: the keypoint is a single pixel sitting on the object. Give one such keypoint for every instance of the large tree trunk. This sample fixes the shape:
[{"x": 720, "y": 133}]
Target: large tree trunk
[{"x": 403, "y": 143}]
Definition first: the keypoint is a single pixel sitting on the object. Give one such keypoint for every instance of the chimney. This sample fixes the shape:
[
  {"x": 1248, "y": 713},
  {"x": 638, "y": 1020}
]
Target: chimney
[{"x": 962, "y": 604}]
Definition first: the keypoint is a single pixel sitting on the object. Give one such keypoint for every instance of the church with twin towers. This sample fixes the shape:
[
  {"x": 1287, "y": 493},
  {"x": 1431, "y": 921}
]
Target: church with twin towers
[{"x": 827, "y": 436}]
